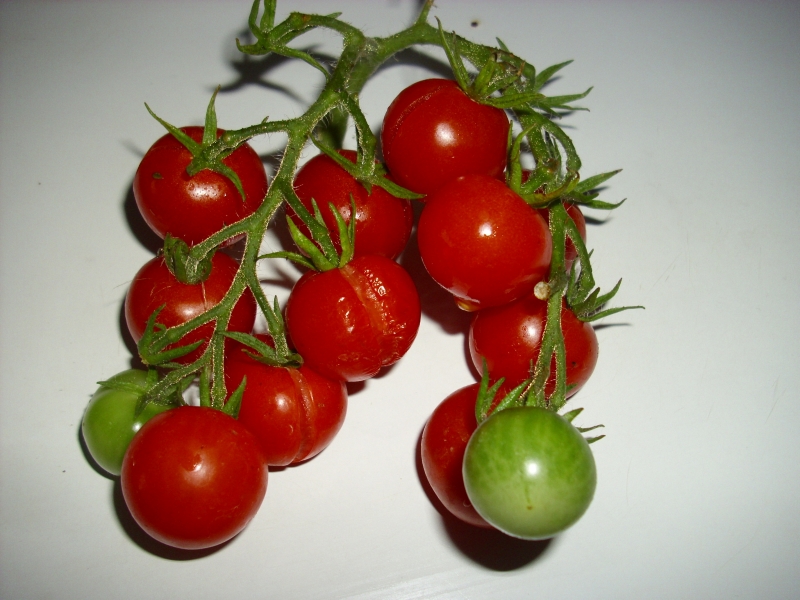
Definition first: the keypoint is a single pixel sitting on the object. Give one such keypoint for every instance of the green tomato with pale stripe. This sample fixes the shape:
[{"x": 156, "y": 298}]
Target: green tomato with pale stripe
[{"x": 529, "y": 472}]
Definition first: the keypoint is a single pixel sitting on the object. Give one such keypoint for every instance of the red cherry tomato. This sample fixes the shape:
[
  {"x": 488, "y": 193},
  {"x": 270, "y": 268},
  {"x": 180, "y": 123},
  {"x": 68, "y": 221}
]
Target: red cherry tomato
[
  {"x": 482, "y": 242},
  {"x": 383, "y": 222},
  {"x": 155, "y": 285},
  {"x": 193, "y": 208},
  {"x": 509, "y": 337},
  {"x": 349, "y": 322},
  {"x": 444, "y": 441},
  {"x": 294, "y": 413},
  {"x": 433, "y": 132},
  {"x": 193, "y": 477}
]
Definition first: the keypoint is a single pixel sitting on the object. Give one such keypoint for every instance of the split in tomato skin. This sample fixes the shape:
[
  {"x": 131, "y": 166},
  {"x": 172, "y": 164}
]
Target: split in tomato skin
[
  {"x": 294, "y": 412},
  {"x": 383, "y": 222},
  {"x": 193, "y": 208},
  {"x": 348, "y": 323},
  {"x": 193, "y": 477},
  {"x": 444, "y": 440},
  {"x": 433, "y": 132},
  {"x": 508, "y": 338},
  {"x": 480, "y": 241},
  {"x": 529, "y": 472},
  {"x": 154, "y": 285},
  {"x": 111, "y": 421}
]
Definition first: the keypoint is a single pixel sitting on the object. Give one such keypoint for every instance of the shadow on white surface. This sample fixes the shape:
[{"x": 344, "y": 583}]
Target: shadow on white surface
[{"x": 488, "y": 547}]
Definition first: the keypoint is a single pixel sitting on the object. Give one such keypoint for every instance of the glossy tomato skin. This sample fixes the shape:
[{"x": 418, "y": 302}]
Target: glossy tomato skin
[
  {"x": 350, "y": 322},
  {"x": 155, "y": 285},
  {"x": 110, "y": 420},
  {"x": 509, "y": 338},
  {"x": 433, "y": 132},
  {"x": 482, "y": 242},
  {"x": 383, "y": 222},
  {"x": 193, "y": 208},
  {"x": 193, "y": 477},
  {"x": 529, "y": 472},
  {"x": 444, "y": 441},
  {"x": 294, "y": 413}
]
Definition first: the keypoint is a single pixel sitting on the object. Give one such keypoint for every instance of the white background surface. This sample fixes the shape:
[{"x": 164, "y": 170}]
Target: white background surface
[{"x": 698, "y": 477}]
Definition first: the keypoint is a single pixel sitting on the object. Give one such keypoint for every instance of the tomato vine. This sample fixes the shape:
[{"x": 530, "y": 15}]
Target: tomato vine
[{"x": 498, "y": 82}]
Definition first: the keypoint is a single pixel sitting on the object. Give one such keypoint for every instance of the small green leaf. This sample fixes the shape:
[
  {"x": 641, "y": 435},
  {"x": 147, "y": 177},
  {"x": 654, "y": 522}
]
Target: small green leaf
[
  {"x": 234, "y": 402},
  {"x": 184, "y": 139},
  {"x": 570, "y": 416},
  {"x": 318, "y": 259},
  {"x": 454, "y": 58},
  {"x": 547, "y": 74}
]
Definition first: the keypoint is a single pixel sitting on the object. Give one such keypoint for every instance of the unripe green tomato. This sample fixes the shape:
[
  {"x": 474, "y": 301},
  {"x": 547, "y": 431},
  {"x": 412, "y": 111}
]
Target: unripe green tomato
[
  {"x": 529, "y": 472},
  {"x": 110, "y": 422}
]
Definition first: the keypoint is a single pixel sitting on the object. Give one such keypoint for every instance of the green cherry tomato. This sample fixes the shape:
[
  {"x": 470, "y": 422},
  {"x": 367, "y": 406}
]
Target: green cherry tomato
[
  {"x": 110, "y": 422},
  {"x": 529, "y": 472}
]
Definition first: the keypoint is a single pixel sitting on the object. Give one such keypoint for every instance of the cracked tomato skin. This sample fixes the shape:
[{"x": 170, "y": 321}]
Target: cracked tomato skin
[
  {"x": 444, "y": 441},
  {"x": 193, "y": 208},
  {"x": 348, "y": 323},
  {"x": 193, "y": 477},
  {"x": 529, "y": 472},
  {"x": 509, "y": 338},
  {"x": 383, "y": 222},
  {"x": 480, "y": 241},
  {"x": 433, "y": 132},
  {"x": 294, "y": 412},
  {"x": 155, "y": 285}
]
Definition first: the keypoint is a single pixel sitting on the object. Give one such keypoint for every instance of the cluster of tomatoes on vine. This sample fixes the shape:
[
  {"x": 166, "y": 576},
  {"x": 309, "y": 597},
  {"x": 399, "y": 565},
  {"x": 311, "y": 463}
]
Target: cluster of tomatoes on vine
[{"x": 506, "y": 243}]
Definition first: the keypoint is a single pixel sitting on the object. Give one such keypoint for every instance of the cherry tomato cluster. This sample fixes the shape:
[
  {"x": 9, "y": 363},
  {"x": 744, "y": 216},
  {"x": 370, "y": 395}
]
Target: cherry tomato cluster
[{"x": 507, "y": 243}]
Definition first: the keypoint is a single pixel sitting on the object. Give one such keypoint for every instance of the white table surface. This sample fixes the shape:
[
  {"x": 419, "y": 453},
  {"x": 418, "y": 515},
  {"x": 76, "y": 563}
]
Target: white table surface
[{"x": 699, "y": 484}]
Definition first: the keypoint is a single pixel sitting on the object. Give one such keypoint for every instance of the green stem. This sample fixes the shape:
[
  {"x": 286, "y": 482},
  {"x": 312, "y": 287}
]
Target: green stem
[{"x": 361, "y": 56}]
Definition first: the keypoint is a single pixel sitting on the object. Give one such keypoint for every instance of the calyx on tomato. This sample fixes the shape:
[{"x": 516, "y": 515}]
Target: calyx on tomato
[
  {"x": 181, "y": 263},
  {"x": 205, "y": 156},
  {"x": 322, "y": 255}
]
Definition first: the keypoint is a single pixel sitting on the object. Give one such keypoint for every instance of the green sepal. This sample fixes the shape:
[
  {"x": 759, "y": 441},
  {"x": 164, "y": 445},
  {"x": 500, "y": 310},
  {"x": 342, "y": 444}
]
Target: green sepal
[
  {"x": 264, "y": 353},
  {"x": 544, "y": 76},
  {"x": 376, "y": 177},
  {"x": 318, "y": 260},
  {"x": 234, "y": 401},
  {"x": 592, "y": 440},
  {"x": 590, "y": 183},
  {"x": 587, "y": 429},
  {"x": 585, "y": 192},
  {"x": 570, "y": 415},
  {"x": 183, "y": 138},
  {"x": 170, "y": 396},
  {"x": 155, "y": 338},
  {"x": 124, "y": 384},
  {"x": 454, "y": 58},
  {"x": 314, "y": 223},
  {"x": 205, "y": 155},
  {"x": 347, "y": 232},
  {"x": 512, "y": 398},
  {"x": 292, "y": 256},
  {"x": 181, "y": 263},
  {"x": 486, "y": 395}
]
